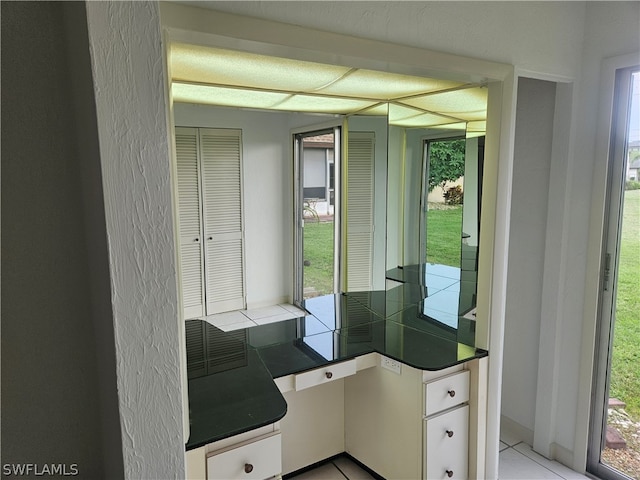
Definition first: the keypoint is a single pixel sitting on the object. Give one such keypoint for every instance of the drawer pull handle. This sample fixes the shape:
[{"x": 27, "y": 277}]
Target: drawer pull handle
[
  {"x": 452, "y": 393},
  {"x": 248, "y": 468},
  {"x": 449, "y": 473},
  {"x": 449, "y": 433},
  {"x": 328, "y": 374}
]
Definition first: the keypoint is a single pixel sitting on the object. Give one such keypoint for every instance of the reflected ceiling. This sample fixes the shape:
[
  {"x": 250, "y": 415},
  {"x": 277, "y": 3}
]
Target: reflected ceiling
[{"x": 213, "y": 76}]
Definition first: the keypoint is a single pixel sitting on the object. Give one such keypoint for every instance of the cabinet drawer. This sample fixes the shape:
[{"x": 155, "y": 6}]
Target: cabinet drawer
[
  {"x": 446, "y": 443},
  {"x": 257, "y": 460},
  {"x": 446, "y": 392},
  {"x": 325, "y": 374}
]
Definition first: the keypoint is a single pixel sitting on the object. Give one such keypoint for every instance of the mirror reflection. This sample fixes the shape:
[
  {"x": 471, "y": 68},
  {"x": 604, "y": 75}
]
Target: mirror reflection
[
  {"x": 386, "y": 181},
  {"x": 435, "y": 179},
  {"x": 365, "y": 186}
]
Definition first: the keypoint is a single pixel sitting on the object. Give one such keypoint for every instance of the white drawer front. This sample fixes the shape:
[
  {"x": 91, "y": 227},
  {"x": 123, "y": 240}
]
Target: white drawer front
[
  {"x": 325, "y": 374},
  {"x": 446, "y": 443},
  {"x": 257, "y": 460},
  {"x": 446, "y": 392}
]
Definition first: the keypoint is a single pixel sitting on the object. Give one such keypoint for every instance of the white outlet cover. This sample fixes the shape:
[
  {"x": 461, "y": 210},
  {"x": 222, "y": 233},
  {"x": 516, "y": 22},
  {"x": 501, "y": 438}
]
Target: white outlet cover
[{"x": 390, "y": 364}]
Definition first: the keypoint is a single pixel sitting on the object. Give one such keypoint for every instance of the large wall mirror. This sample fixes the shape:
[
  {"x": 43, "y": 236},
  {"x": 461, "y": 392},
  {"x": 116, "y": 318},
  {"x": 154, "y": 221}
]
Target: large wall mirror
[
  {"x": 434, "y": 206},
  {"x": 393, "y": 127}
]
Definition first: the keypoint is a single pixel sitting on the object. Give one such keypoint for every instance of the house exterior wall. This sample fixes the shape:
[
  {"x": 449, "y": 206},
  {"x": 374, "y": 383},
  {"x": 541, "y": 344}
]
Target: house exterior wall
[{"x": 315, "y": 169}]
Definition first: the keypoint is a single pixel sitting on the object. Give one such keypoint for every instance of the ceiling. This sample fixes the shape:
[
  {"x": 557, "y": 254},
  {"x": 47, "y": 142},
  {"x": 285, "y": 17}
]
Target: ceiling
[{"x": 206, "y": 75}]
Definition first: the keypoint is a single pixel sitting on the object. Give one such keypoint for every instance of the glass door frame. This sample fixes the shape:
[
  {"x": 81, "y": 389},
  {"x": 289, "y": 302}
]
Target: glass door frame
[
  {"x": 612, "y": 230},
  {"x": 424, "y": 194},
  {"x": 298, "y": 206}
]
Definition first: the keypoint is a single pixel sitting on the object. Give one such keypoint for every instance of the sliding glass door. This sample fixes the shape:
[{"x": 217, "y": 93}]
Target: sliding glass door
[{"x": 615, "y": 435}]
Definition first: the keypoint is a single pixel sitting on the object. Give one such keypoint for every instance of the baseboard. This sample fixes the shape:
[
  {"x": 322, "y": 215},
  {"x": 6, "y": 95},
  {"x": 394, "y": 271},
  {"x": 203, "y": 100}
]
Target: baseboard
[
  {"x": 511, "y": 428},
  {"x": 562, "y": 455}
]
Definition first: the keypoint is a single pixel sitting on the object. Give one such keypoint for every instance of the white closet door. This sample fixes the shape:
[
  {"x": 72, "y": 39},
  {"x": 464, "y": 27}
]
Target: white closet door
[
  {"x": 191, "y": 271},
  {"x": 223, "y": 219},
  {"x": 360, "y": 163}
]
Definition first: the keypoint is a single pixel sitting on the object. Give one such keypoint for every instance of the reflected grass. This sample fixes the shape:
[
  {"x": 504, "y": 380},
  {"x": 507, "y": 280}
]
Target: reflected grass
[
  {"x": 444, "y": 231},
  {"x": 318, "y": 258}
]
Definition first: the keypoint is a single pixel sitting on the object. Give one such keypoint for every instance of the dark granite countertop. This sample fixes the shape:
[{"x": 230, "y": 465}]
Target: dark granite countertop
[{"x": 231, "y": 387}]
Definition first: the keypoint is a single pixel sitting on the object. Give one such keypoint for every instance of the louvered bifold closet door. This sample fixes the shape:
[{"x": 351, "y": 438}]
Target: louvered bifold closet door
[
  {"x": 189, "y": 211},
  {"x": 221, "y": 163},
  {"x": 360, "y": 162}
]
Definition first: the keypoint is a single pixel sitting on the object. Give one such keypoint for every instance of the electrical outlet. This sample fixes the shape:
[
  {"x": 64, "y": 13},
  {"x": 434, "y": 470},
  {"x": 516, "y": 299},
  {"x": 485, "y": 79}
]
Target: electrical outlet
[{"x": 390, "y": 364}]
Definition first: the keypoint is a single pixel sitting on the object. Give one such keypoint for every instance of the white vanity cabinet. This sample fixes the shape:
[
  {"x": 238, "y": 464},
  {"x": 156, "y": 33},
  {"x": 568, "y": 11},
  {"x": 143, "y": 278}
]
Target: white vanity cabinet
[
  {"x": 417, "y": 424},
  {"x": 409, "y": 424},
  {"x": 254, "y": 455},
  {"x": 446, "y": 427}
]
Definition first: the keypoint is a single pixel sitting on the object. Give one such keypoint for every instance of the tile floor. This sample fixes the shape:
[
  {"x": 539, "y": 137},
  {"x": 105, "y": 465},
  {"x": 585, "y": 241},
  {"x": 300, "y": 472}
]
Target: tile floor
[
  {"x": 517, "y": 462},
  {"x": 235, "y": 320},
  {"x": 340, "y": 468}
]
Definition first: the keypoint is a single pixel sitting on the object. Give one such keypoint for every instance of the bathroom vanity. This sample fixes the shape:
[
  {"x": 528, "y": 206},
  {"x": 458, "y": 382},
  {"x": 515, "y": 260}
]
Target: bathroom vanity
[{"x": 363, "y": 373}]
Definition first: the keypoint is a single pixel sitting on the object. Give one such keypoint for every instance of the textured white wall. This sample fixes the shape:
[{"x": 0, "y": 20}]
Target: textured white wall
[{"x": 131, "y": 103}]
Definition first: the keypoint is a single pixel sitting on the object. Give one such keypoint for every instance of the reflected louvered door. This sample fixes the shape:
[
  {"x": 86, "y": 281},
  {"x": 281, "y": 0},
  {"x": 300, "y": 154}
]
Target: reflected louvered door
[
  {"x": 360, "y": 158},
  {"x": 190, "y": 226},
  {"x": 221, "y": 166},
  {"x": 196, "y": 349}
]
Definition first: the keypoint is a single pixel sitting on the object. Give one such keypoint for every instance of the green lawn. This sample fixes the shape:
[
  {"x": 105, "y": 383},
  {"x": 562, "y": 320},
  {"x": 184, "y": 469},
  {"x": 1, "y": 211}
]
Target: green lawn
[
  {"x": 444, "y": 230},
  {"x": 625, "y": 368},
  {"x": 443, "y": 246},
  {"x": 318, "y": 253}
]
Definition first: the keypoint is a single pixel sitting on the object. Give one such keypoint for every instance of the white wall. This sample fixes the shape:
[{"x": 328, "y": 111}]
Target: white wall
[
  {"x": 58, "y": 391},
  {"x": 395, "y": 215},
  {"x": 531, "y": 167},
  {"x": 470, "y": 189},
  {"x": 413, "y": 180}
]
